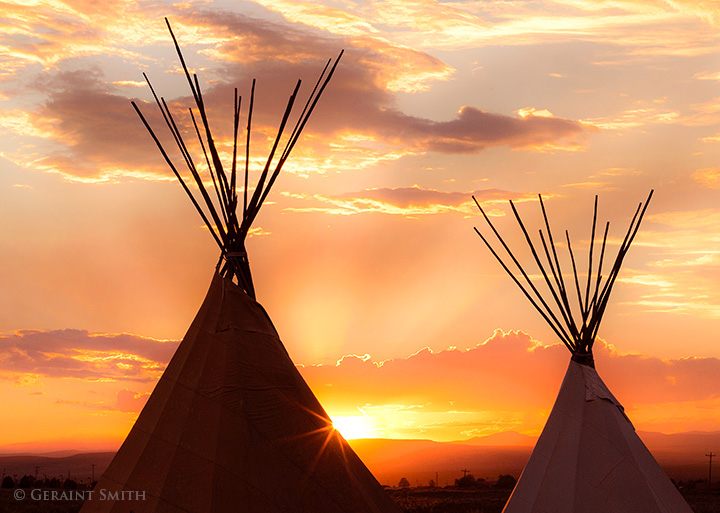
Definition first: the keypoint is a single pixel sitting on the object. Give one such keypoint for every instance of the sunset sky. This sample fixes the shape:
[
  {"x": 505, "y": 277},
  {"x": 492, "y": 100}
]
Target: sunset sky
[{"x": 365, "y": 255}]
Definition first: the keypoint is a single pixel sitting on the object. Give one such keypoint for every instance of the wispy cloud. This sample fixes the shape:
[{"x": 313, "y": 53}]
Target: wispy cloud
[
  {"x": 707, "y": 75},
  {"x": 708, "y": 177},
  {"x": 82, "y": 355},
  {"x": 405, "y": 201},
  {"x": 682, "y": 276},
  {"x": 456, "y": 25},
  {"x": 47, "y": 33},
  {"x": 711, "y": 138},
  {"x": 638, "y": 116}
]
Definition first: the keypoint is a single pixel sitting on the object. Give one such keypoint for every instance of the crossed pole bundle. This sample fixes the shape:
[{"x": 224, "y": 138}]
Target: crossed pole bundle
[
  {"x": 577, "y": 333},
  {"x": 220, "y": 214}
]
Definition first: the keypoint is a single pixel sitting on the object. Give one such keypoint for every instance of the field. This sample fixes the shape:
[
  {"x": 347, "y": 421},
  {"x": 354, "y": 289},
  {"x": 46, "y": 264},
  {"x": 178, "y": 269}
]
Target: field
[
  {"x": 447, "y": 500},
  {"x": 410, "y": 500}
]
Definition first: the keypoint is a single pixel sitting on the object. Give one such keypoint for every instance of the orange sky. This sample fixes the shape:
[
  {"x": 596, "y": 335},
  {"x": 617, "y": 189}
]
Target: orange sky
[{"x": 365, "y": 255}]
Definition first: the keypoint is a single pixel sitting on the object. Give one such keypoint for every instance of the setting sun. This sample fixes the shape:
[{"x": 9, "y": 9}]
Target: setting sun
[{"x": 352, "y": 427}]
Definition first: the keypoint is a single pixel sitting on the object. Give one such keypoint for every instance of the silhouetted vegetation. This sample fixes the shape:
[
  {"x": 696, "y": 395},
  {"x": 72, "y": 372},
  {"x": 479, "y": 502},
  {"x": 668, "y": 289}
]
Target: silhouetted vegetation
[
  {"x": 26, "y": 482},
  {"x": 469, "y": 482},
  {"x": 505, "y": 482},
  {"x": 70, "y": 484}
]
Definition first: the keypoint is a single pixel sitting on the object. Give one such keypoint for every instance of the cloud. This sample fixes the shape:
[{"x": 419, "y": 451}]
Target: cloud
[
  {"x": 707, "y": 75},
  {"x": 405, "y": 201},
  {"x": 708, "y": 177},
  {"x": 86, "y": 130},
  {"x": 637, "y": 24},
  {"x": 678, "y": 284},
  {"x": 688, "y": 219},
  {"x": 48, "y": 32},
  {"x": 473, "y": 130},
  {"x": 126, "y": 401},
  {"x": 509, "y": 380},
  {"x": 703, "y": 114},
  {"x": 371, "y": 71},
  {"x": 82, "y": 355},
  {"x": 640, "y": 115},
  {"x": 645, "y": 113},
  {"x": 336, "y": 21},
  {"x": 682, "y": 271},
  {"x": 711, "y": 138},
  {"x": 588, "y": 185},
  {"x": 616, "y": 171}
]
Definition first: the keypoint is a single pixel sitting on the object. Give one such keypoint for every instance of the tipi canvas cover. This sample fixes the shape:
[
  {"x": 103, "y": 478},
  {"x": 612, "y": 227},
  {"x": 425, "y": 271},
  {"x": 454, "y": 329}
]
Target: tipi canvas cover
[
  {"x": 588, "y": 459},
  {"x": 232, "y": 426}
]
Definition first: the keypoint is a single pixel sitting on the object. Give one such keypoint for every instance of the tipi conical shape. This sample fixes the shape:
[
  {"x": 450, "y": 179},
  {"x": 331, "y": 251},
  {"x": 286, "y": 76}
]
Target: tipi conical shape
[
  {"x": 588, "y": 458},
  {"x": 232, "y": 426}
]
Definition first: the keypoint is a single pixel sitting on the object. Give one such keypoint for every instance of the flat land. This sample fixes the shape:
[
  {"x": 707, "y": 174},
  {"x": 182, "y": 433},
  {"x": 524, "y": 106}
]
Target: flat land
[
  {"x": 448, "y": 500},
  {"x": 410, "y": 500}
]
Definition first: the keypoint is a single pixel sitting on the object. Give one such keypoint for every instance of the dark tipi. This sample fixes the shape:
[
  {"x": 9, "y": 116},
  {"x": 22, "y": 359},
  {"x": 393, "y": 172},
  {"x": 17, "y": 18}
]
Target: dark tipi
[
  {"x": 232, "y": 426},
  {"x": 588, "y": 458}
]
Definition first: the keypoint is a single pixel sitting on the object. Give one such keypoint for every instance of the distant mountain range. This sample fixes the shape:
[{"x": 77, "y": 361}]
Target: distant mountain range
[
  {"x": 510, "y": 438},
  {"x": 76, "y": 466},
  {"x": 682, "y": 455}
]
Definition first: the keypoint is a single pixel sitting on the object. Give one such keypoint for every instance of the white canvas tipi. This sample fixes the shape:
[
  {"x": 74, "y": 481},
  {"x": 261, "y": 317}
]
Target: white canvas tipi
[
  {"x": 588, "y": 458},
  {"x": 232, "y": 426}
]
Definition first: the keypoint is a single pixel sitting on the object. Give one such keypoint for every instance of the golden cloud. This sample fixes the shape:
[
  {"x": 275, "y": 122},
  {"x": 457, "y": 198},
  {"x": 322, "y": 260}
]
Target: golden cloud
[
  {"x": 82, "y": 355},
  {"x": 708, "y": 177},
  {"x": 405, "y": 201},
  {"x": 632, "y": 118},
  {"x": 639, "y": 25},
  {"x": 711, "y": 139},
  {"x": 49, "y": 32},
  {"x": 333, "y": 20},
  {"x": 89, "y": 133}
]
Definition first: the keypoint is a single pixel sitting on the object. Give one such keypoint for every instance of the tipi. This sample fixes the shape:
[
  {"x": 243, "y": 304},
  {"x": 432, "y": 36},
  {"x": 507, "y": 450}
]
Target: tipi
[
  {"x": 232, "y": 426},
  {"x": 588, "y": 458}
]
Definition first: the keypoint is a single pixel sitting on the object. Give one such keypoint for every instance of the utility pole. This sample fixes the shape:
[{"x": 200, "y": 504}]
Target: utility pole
[
  {"x": 36, "y": 472},
  {"x": 465, "y": 471},
  {"x": 710, "y": 469}
]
